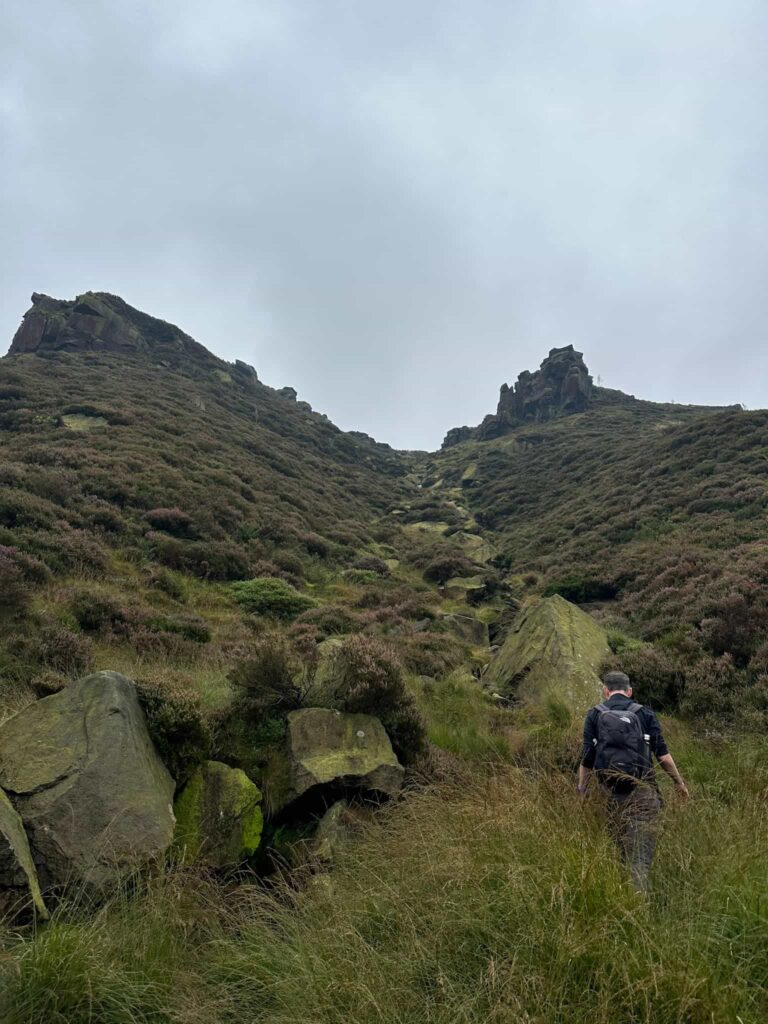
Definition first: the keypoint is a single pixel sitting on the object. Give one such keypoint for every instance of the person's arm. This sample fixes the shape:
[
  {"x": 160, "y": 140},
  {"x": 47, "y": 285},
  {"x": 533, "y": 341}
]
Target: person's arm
[
  {"x": 587, "y": 755},
  {"x": 667, "y": 762},
  {"x": 663, "y": 756}
]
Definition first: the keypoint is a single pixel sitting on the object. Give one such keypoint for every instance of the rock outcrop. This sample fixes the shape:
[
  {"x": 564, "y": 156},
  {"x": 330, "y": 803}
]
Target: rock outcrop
[
  {"x": 337, "y": 750},
  {"x": 560, "y": 387},
  {"x": 18, "y": 877},
  {"x": 218, "y": 816},
  {"x": 80, "y": 769},
  {"x": 553, "y": 650},
  {"x": 100, "y": 322}
]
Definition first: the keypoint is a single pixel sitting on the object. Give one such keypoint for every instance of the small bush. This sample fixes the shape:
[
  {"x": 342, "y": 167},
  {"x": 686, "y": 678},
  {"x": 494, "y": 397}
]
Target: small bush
[
  {"x": 54, "y": 647},
  {"x": 330, "y": 620},
  {"x": 171, "y": 520},
  {"x": 371, "y": 563},
  {"x": 440, "y": 570},
  {"x": 176, "y": 722},
  {"x": 269, "y": 596},
  {"x": 96, "y": 613},
  {"x": 273, "y": 680},
  {"x": 315, "y": 544},
  {"x": 368, "y": 679}
]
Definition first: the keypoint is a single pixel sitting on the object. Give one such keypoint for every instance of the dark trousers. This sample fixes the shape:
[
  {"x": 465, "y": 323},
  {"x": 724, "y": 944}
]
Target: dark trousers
[{"x": 633, "y": 819}]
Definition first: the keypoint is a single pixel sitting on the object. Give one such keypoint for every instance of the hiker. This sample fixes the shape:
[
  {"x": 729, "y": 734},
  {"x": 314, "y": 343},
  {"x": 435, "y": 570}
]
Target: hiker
[{"x": 621, "y": 738}]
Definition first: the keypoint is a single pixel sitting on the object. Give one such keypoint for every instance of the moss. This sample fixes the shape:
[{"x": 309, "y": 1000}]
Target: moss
[
  {"x": 553, "y": 652},
  {"x": 218, "y": 816}
]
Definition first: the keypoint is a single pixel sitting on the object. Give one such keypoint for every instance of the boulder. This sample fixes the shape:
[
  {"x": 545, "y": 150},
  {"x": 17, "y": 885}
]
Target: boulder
[
  {"x": 331, "y": 748},
  {"x": 218, "y": 816},
  {"x": 553, "y": 649},
  {"x": 81, "y": 770},
  {"x": 459, "y": 587},
  {"x": 332, "y": 832},
  {"x": 468, "y": 628},
  {"x": 18, "y": 877}
]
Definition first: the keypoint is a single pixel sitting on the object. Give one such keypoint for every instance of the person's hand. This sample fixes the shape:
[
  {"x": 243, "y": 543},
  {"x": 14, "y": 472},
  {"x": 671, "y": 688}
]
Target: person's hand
[
  {"x": 682, "y": 790},
  {"x": 582, "y": 791}
]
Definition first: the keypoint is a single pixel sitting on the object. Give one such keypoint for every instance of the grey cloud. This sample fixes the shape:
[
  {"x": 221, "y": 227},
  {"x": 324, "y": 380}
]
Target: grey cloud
[{"x": 395, "y": 208}]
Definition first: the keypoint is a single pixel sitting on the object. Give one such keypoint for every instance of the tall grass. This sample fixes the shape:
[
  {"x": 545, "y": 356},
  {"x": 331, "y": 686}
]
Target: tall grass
[{"x": 493, "y": 899}]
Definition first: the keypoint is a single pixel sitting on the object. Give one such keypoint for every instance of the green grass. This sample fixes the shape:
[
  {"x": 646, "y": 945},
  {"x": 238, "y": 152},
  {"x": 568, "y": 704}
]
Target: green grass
[{"x": 496, "y": 898}]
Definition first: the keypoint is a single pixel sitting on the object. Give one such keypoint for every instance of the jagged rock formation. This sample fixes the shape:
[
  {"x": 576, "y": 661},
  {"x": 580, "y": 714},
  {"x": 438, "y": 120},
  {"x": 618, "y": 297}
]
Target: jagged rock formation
[
  {"x": 553, "y": 650},
  {"x": 336, "y": 750},
  {"x": 100, "y": 322},
  {"x": 82, "y": 772},
  {"x": 560, "y": 387},
  {"x": 218, "y": 816}
]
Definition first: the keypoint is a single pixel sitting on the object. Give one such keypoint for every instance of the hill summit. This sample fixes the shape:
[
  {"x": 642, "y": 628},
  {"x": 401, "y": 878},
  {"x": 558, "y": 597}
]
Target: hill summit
[{"x": 100, "y": 322}]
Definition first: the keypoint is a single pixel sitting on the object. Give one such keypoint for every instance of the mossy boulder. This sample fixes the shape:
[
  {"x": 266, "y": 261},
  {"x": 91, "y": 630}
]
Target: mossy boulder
[
  {"x": 80, "y": 769},
  {"x": 18, "y": 877},
  {"x": 218, "y": 816},
  {"x": 341, "y": 751},
  {"x": 553, "y": 652}
]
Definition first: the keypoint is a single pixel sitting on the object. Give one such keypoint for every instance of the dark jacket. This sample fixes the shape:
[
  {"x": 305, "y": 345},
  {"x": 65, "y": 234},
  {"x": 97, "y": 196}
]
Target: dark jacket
[{"x": 619, "y": 701}]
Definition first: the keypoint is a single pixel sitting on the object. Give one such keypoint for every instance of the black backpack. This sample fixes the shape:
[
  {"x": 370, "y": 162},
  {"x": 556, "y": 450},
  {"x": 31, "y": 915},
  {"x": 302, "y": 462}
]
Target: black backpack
[{"x": 623, "y": 755}]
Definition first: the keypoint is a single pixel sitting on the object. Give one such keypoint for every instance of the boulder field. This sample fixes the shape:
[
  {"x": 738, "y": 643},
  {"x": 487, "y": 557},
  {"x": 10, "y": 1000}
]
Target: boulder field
[{"x": 85, "y": 797}]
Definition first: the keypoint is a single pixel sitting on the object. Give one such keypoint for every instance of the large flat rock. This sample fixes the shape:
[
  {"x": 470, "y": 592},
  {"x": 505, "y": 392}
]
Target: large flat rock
[
  {"x": 80, "y": 768},
  {"x": 553, "y": 649}
]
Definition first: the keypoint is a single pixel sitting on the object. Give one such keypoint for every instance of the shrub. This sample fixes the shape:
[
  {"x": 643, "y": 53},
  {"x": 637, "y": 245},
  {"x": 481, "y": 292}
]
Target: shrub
[
  {"x": 216, "y": 560},
  {"x": 190, "y": 627},
  {"x": 171, "y": 520},
  {"x": 372, "y": 563},
  {"x": 14, "y": 593},
  {"x": 176, "y": 721},
  {"x": 315, "y": 544},
  {"x": 440, "y": 570},
  {"x": 272, "y": 680},
  {"x": 96, "y": 613},
  {"x": 54, "y": 647},
  {"x": 330, "y": 620},
  {"x": 581, "y": 589},
  {"x": 712, "y": 690},
  {"x": 368, "y": 679},
  {"x": 269, "y": 596},
  {"x": 657, "y": 677}
]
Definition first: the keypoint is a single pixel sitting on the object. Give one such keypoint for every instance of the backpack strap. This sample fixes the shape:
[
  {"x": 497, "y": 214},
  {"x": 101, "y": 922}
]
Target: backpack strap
[{"x": 634, "y": 707}]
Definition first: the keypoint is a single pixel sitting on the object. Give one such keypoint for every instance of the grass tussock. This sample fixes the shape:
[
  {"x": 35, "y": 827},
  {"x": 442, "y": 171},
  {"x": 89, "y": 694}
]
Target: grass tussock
[{"x": 497, "y": 899}]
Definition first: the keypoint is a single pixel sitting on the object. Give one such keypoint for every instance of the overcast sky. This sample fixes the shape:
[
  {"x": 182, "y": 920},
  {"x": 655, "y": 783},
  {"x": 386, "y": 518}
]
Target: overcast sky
[{"x": 396, "y": 207}]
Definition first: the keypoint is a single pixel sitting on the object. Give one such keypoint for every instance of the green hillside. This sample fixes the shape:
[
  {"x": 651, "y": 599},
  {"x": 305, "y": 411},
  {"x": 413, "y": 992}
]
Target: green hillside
[{"x": 167, "y": 516}]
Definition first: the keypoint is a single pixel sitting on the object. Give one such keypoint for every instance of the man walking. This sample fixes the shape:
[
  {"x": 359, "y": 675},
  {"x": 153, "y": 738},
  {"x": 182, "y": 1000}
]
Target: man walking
[{"x": 621, "y": 738}]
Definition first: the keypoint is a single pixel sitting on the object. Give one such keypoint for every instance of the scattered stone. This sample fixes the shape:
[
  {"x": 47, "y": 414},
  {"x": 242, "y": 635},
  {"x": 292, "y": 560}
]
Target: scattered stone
[
  {"x": 287, "y": 392},
  {"x": 18, "y": 877},
  {"x": 81, "y": 770},
  {"x": 459, "y": 587},
  {"x": 218, "y": 816},
  {"x": 329, "y": 747},
  {"x": 553, "y": 649}
]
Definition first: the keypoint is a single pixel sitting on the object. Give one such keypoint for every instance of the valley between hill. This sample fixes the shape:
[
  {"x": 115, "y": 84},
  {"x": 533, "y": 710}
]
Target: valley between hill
[{"x": 166, "y": 516}]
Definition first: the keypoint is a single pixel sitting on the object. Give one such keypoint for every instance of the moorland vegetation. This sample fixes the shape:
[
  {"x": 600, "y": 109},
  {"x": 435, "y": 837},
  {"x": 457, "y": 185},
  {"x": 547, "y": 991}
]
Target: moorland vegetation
[{"x": 165, "y": 515}]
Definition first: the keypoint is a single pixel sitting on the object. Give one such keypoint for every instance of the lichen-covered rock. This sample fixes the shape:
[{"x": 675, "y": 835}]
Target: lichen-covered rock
[
  {"x": 80, "y": 768},
  {"x": 459, "y": 587},
  {"x": 17, "y": 870},
  {"x": 468, "y": 628},
  {"x": 218, "y": 816},
  {"x": 348, "y": 751},
  {"x": 553, "y": 650}
]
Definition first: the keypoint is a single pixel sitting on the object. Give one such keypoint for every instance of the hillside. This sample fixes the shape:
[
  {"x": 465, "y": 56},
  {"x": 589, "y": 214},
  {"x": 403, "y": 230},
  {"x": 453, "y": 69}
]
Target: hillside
[{"x": 391, "y": 652}]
